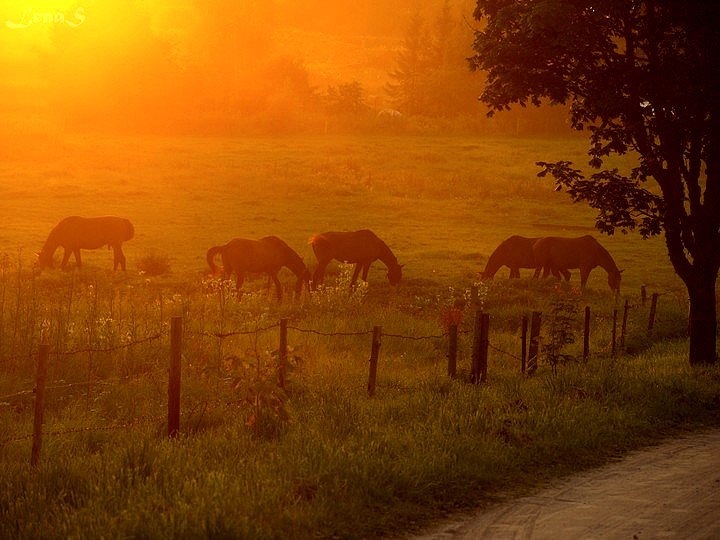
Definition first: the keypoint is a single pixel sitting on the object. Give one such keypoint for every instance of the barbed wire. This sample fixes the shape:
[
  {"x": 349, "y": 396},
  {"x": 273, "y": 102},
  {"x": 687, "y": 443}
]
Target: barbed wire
[
  {"x": 415, "y": 338},
  {"x": 217, "y": 404},
  {"x": 329, "y": 334},
  {"x": 107, "y": 349},
  {"x": 94, "y": 382},
  {"x": 16, "y": 395},
  {"x": 223, "y": 335},
  {"x": 511, "y": 355},
  {"x": 86, "y": 429}
]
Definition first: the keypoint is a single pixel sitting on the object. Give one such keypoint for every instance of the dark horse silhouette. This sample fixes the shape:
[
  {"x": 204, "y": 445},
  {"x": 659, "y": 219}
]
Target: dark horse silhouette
[
  {"x": 516, "y": 252},
  {"x": 267, "y": 256},
  {"x": 585, "y": 253},
  {"x": 75, "y": 233},
  {"x": 359, "y": 247}
]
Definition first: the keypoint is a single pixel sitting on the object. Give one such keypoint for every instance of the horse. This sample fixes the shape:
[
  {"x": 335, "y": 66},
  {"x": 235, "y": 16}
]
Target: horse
[
  {"x": 361, "y": 247},
  {"x": 75, "y": 233},
  {"x": 267, "y": 256},
  {"x": 515, "y": 253},
  {"x": 584, "y": 252}
]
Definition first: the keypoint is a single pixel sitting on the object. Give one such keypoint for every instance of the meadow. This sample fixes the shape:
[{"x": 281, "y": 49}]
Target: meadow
[{"x": 319, "y": 458}]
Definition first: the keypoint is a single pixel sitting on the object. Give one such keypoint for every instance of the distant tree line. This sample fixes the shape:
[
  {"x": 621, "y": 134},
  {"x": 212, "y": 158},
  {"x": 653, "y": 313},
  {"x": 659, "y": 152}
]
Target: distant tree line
[{"x": 215, "y": 66}]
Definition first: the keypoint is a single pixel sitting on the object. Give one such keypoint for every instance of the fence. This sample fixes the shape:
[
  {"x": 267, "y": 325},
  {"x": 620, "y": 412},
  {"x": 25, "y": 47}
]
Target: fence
[{"x": 528, "y": 355}]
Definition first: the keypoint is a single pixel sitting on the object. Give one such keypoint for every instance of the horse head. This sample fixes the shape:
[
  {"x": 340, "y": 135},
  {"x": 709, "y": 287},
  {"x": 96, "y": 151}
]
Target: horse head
[
  {"x": 45, "y": 259},
  {"x": 394, "y": 273}
]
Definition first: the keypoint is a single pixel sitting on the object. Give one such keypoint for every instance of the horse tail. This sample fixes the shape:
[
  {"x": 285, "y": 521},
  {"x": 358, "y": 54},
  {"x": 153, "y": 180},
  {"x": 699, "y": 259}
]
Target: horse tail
[{"x": 211, "y": 258}]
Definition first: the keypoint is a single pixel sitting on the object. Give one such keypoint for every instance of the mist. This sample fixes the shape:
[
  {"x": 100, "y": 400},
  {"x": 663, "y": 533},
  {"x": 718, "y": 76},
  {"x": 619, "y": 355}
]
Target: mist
[{"x": 227, "y": 67}]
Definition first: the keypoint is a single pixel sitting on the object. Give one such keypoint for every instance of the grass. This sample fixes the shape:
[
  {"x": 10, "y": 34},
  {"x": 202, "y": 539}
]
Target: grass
[{"x": 320, "y": 459}]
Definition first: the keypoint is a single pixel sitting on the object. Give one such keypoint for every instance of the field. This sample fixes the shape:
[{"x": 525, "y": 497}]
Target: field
[
  {"x": 434, "y": 200},
  {"x": 321, "y": 459}
]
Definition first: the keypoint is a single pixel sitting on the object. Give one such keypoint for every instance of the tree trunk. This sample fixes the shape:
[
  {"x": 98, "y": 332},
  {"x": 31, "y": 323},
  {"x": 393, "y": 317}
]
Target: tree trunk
[{"x": 703, "y": 322}]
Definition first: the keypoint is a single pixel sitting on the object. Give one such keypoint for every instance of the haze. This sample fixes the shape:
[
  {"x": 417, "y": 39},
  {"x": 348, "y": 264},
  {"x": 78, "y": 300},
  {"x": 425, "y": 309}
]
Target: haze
[{"x": 196, "y": 65}]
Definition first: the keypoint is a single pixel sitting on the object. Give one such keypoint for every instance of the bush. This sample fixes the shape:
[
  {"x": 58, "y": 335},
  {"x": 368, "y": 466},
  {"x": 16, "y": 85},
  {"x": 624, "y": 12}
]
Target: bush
[{"x": 154, "y": 264}]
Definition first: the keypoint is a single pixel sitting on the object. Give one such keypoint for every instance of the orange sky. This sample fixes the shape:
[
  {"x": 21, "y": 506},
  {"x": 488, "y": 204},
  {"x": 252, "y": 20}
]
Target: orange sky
[{"x": 119, "y": 63}]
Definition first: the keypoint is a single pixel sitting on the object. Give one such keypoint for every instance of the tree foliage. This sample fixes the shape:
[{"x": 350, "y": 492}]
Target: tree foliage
[
  {"x": 641, "y": 77},
  {"x": 431, "y": 77}
]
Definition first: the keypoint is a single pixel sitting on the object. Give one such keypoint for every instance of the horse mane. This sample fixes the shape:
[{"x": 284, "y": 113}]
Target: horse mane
[
  {"x": 294, "y": 261},
  {"x": 387, "y": 256},
  {"x": 605, "y": 255},
  {"x": 52, "y": 242},
  {"x": 492, "y": 266},
  {"x": 514, "y": 251}
]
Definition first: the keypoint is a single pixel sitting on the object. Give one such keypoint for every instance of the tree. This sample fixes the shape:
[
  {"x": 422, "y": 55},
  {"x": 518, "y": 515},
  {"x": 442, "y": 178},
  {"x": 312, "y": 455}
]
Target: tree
[
  {"x": 432, "y": 76},
  {"x": 642, "y": 76},
  {"x": 346, "y": 98},
  {"x": 406, "y": 91}
]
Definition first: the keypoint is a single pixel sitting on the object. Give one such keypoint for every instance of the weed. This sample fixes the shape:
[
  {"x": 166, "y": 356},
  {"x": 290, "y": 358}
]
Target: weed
[
  {"x": 154, "y": 264},
  {"x": 340, "y": 296}
]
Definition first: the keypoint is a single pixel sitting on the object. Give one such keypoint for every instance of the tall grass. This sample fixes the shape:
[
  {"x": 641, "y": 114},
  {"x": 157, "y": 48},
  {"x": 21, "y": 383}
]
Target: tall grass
[
  {"x": 335, "y": 462},
  {"x": 319, "y": 458}
]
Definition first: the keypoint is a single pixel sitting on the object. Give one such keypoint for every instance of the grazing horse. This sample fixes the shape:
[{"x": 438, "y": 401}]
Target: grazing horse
[
  {"x": 75, "y": 233},
  {"x": 585, "y": 253},
  {"x": 267, "y": 256},
  {"x": 359, "y": 247},
  {"x": 515, "y": 253}
]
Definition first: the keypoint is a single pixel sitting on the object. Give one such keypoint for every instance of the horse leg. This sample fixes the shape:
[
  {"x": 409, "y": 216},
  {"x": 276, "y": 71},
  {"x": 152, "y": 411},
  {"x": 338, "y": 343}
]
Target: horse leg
[
  {"x": 66, "y": 258},
  {"x": 239, "y": 283},
  {"x": 366, "y": 269},
  {"x": 584, "y": 274},
  {"x": 514, "y": 273},
  {"x": 319, "y": 273},
  {"x": 278, "y": 286},
  {"x": 566, "y": 274},
  {"x": 356, "y": 272},
  {"x": 118, "y": 257}
]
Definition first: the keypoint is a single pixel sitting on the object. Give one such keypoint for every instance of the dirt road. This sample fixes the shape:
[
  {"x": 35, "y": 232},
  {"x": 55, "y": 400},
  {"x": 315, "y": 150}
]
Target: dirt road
[{"x": 668, "y": 491}]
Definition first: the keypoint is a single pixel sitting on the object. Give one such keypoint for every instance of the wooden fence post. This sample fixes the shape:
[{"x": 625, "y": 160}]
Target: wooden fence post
[
  {"x": 523, "y": 339},
  {"x": 41, "y": 379},
  {"x": 474, "y": 297},
  {"x": 475, "y": 357},
  {"x": 623, "y": 329},
  {"x": 484, "y": 344},
  {"x": 643, "y": 295},
  {"x": 478, "y": 372},
  {"x": 174, "y": 378},
  {"x": 614, "y": 332},
  {"x": 282, "y": 353},
  {"x": 452, "y": 350},
  {"x": 535, "y": 322},
  {"x": 653, "y": 308},
  {"x": 374, "y": 354},
  {"x": 586, "y": 335}
]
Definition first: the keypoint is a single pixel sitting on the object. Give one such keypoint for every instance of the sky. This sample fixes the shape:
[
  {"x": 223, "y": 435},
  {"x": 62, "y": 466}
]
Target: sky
[{"x": 93, "y": 63}]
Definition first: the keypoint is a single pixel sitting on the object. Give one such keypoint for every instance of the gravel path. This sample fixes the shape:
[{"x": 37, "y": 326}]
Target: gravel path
[{"x": 667, "y": 491}]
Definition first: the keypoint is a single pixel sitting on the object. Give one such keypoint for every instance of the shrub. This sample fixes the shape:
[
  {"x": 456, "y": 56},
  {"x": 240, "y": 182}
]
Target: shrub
[{"x": 154, "y": 264}]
